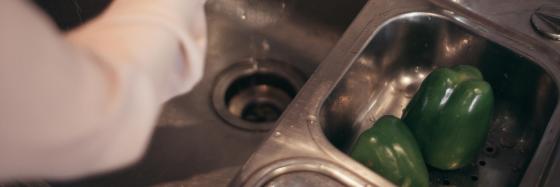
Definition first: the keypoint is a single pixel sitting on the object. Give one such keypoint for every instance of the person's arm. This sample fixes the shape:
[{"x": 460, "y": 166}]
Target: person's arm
[{"x": 87, "y": 101}]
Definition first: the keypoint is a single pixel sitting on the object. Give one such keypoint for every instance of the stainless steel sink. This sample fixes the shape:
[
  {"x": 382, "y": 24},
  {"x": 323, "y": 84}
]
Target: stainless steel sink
[
  {"x": 389, "y": 71},
  {"x": 261, "y": 52},
  {"x": 251, "y": 43},
  {"x": 377, "y": 67}
]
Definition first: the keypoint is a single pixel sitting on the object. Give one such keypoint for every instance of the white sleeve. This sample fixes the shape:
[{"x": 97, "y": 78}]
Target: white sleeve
[{"x": 87, "y": 101}]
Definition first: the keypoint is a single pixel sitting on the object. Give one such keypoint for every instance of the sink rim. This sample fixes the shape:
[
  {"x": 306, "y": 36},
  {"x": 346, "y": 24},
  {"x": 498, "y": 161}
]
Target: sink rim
[{"x": 306, "y": 106}]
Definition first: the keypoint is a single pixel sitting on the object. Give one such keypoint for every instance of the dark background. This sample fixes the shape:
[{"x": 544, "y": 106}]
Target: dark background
[{"x": 68, "y": 14}]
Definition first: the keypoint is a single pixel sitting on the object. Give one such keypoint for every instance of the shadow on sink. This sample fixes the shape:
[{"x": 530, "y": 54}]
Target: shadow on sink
[{"x": 403, "y": 52}]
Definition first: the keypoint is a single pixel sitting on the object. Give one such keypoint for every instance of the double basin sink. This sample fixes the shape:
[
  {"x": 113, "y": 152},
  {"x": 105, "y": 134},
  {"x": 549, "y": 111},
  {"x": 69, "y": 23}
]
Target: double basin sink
[{"x": 359, "y": 60}]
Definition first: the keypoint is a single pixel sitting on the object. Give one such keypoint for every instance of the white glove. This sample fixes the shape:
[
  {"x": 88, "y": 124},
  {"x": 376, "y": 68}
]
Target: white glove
[{"x": 87, "y": 102}]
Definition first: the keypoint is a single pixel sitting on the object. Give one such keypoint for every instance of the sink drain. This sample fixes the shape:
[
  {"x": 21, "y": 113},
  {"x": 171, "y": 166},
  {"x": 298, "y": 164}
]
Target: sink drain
[{"x": 253, "y": 95}]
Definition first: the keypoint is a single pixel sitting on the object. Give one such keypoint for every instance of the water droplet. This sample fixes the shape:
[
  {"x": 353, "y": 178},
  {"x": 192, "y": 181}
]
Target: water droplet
[
  {"x": 254, "y": 63},
  {"x": 312, "y": 117},
  {"x": 477, "y": 91},
  {"x": 311, "y": 121},
  {"x": 242, "y": 14},
  {"x": 277, "y": 133}
]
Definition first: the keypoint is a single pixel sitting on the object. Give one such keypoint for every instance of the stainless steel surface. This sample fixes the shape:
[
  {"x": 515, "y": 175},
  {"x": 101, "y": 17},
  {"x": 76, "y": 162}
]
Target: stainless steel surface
[
  {"x": 378, "y": 65},
  {"x": 389, "y": 71},
  {"x": 191, "y": 138},
  {"x": 218, "y": 178},
  {"x": 303, "y": 179},
  {"x": 546, "y": 21},
  {"x": 281, "y": 171}
]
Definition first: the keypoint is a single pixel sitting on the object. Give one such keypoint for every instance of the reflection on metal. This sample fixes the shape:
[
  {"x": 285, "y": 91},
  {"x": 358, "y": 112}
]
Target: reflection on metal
[
  {"x": 377, "y": 67},
  {"x": 303, "y": 179},
  {"x": 546, "y": 21},
  {"x": 290, "y": 172}
]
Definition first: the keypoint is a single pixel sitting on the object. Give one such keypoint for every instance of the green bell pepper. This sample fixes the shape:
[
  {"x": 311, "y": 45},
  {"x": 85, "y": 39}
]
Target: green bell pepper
[
  {"x": 390, "y": 149},
  {"x": 450, "y": 116}
]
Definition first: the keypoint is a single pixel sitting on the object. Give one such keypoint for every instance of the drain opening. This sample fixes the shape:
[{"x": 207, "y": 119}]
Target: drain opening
[
  {"x": 253, "y": 97},
  {"x": 261, "y": 112},
  {"x": 259, "y": 97}
]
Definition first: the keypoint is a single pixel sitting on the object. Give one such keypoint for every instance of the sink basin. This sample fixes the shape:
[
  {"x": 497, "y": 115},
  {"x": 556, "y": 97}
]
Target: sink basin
[
  {"x": 377, "y": 67},
  {"x": 403, "y": 52},
  {"x": 249, "y": 41}
]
